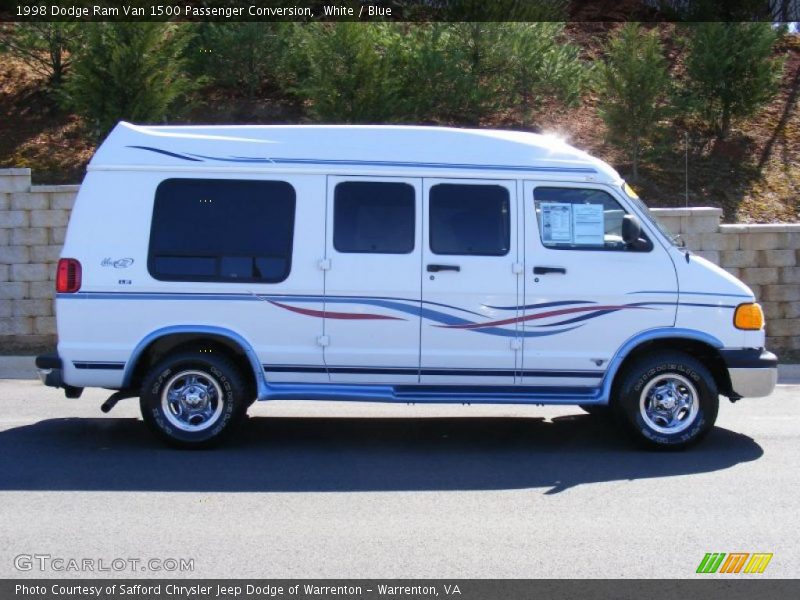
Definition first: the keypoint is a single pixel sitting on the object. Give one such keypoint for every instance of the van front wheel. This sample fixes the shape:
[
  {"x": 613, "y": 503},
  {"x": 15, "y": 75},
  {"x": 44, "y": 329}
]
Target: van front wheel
[
  {"x": 667, "y": 400},
  {"x": 193, "y": 399}
]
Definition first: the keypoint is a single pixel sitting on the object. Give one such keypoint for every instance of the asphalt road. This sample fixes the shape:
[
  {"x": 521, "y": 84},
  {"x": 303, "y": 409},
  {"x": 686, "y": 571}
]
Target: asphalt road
[{"x": 346, "y": 490}]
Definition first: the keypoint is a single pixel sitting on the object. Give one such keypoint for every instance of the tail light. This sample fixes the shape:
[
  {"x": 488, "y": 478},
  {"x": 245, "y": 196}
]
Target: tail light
[{"x": 68, "y": 276}]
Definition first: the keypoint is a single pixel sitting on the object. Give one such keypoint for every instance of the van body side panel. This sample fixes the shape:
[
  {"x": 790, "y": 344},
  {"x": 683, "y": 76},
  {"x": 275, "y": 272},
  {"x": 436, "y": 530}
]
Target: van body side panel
[
  {"x": 583, "y": 301},
  {"x": 281, "y": 336},
  {"x": 120, "y": 303},
  {"x": 110, "y": 220},
  {"x": 709, "y": 297}
]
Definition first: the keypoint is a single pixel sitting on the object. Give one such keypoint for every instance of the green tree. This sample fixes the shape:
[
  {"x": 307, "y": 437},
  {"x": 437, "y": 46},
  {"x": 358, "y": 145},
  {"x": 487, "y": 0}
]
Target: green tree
[
  {"x": 453, "y": 71},
  {"x": 47, "y": 48},
  {"x": 463, "y": 72},
  {"x": 538, "y": 64},
  {"x": 731, "y": 72},
  {"x": 133, "y": 71},
  {"x": 238, "y": 55},
  {"x": 352, "y": 72},
  {"x": 633, "y": 83},
  {"x": 437, "y": 84}
]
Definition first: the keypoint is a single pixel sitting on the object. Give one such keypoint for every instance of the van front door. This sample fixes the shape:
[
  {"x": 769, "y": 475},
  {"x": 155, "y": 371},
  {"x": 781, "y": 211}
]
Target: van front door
[
  {"x": 372, "y": 279},
  {"x": 587, "y": 291},
  {"x": 470, "y": 276}
]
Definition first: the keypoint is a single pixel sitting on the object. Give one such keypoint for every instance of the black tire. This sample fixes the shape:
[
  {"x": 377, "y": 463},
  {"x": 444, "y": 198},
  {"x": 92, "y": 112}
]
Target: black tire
[
  {"x": 217, "y": 387},
  {"x": 638, "y": 389},
  {"x": 596, "y": 410}
]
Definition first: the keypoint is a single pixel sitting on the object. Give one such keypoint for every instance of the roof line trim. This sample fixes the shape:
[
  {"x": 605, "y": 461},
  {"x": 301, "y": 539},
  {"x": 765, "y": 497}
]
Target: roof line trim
[{"x": 187, "y": 156}]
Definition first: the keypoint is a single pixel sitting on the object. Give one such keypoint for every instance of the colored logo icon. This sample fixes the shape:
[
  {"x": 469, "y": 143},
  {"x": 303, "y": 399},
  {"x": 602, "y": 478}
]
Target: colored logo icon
[{"x": 734, "y": 562}]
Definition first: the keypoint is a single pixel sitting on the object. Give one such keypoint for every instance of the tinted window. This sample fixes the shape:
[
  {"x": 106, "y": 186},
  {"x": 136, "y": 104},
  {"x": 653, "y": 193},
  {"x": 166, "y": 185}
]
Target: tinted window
[
  {"x": 374, "y": 217},
  {"x": 222, "y": 230},
  {"x": 469, "y": 219},
  {"x": 581, "y": 219}
]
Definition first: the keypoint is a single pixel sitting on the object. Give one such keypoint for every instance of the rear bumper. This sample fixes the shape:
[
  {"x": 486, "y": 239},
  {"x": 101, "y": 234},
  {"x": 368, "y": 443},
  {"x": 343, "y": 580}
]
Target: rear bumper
[
  {"x": 50, "y": 369},
  {"x": 753, "y": 371}
]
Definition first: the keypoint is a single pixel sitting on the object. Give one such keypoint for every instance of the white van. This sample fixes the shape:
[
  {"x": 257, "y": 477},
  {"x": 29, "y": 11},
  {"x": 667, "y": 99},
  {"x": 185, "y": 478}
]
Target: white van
[{"x": 208, "y": 267}]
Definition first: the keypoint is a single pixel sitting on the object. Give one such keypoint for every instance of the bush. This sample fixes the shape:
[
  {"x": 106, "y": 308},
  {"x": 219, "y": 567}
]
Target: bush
[
  {"x": 633, "y": 82},
  {"x": 130, "y": 71}
]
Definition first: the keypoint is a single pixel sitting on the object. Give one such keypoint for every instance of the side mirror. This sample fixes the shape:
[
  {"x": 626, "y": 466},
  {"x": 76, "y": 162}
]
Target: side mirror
[{"x": 631, "y": 229}]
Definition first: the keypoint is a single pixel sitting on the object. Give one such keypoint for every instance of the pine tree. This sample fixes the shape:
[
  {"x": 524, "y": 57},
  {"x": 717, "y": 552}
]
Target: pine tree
[
  {"x": 129, "y": 71},
  {"x": 633, "y": 82},
  {"x": 731, "y": 72},
  {"x": 47, "y": 48}
]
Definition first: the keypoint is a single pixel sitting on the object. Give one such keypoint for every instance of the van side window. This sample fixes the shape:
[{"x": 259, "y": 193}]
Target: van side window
[
  {"x": 222, "y": 230},
  {"x": 582, "y": 219},
  {"x": 374, "y": 217},
  {"x": 469, "y": 219}
]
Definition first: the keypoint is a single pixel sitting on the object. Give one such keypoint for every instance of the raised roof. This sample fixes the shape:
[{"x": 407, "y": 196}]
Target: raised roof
[{"x": 347, "y": 148}]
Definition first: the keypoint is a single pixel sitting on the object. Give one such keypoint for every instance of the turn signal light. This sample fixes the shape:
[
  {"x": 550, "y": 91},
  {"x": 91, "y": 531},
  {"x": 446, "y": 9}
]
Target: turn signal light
[
  {"x": 749, "y": 316},
  {"x": 68, "y": 276}
]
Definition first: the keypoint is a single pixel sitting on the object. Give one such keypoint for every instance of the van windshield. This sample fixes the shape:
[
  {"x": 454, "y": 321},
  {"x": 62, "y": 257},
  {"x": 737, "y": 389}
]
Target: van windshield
[{"x": 674, "y": 238}]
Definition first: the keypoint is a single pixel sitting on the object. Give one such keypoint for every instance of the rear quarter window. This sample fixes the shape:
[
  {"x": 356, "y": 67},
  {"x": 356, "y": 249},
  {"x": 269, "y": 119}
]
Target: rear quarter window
[{"x": 222, "y": 230}]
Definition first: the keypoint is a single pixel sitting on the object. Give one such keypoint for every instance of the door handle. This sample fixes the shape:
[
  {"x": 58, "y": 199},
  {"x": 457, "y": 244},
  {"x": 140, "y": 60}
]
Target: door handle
[
  {"x": 546, "y": 270},
  {"x": 437, "y": 268}
]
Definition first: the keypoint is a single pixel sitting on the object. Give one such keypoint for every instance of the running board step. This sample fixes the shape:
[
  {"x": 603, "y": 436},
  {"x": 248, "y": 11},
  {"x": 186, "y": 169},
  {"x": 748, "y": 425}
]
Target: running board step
[{"x": 434, "y": 393}]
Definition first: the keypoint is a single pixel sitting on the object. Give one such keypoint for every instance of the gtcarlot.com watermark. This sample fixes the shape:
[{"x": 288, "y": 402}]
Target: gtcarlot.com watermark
[{"x": 47, "y": 563}]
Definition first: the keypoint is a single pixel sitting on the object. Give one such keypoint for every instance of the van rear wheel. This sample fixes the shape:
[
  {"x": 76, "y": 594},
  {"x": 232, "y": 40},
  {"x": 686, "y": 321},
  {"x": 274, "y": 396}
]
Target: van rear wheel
[
  {"x": 667, "y": 401},
  {"x": 193, "y": 400}
]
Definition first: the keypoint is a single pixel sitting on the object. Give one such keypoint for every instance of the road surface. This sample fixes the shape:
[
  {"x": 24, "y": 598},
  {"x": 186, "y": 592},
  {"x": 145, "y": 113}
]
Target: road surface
[{"x": 315, "y": 489}]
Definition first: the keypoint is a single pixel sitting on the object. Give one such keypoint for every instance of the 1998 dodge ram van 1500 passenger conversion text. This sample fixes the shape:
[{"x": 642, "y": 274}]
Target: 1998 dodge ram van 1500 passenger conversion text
[{"x": 205, "y": 268}]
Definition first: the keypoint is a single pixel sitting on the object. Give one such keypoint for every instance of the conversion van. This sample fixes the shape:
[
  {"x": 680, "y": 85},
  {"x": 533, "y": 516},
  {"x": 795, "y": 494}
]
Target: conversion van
[{"x": 205, "y": 268}]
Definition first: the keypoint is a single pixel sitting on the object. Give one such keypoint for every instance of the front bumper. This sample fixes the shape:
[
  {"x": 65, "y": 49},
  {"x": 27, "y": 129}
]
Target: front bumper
[{"x": 753, "y": 371}]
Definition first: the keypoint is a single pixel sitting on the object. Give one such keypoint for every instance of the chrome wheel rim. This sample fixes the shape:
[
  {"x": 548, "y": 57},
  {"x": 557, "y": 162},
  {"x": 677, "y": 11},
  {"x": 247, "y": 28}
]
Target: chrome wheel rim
[
  {"x": 192, "y": 400},
  {"x": 669, "y": 403}
]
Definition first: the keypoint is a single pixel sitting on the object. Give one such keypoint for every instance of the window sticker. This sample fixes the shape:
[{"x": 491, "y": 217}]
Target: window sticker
[
  {"x": 587, "y": 224},
  {"x": 556, "y": 222}
]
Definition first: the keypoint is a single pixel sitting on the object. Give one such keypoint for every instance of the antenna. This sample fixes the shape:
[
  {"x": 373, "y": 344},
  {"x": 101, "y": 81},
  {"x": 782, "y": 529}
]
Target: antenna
[{"x": 686, "y": 166}]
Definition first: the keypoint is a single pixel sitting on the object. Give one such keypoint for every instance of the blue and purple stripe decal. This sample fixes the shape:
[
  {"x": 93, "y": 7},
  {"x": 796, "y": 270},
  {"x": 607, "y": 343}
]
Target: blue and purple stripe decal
[{"x": 532, "y": 320}]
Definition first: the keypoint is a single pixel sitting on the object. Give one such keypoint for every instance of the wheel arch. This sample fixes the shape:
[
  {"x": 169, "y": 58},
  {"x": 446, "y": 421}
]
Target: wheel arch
[
  {"x": 163, "y": 341},
  {"x": 698, "y": 344}
]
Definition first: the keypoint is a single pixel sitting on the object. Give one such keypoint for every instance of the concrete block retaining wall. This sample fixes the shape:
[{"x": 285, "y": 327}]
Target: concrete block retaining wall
[{"x": 33, "y": 222}]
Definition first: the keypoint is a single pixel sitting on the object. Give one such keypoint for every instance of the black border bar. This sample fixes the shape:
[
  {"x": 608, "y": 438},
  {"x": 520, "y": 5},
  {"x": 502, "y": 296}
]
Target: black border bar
[
  {"x": 706, "y": 587},
  {"x": 402, "y": 10}
]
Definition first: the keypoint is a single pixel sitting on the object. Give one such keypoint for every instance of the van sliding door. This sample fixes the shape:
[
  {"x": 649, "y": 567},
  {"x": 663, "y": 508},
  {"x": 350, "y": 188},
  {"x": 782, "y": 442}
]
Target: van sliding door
[{"x": 470, "y": 280}]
